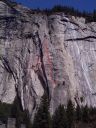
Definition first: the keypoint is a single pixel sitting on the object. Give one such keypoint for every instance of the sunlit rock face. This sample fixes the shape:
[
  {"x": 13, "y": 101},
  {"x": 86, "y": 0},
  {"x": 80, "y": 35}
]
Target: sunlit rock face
[{"x": 38, "y": 53}]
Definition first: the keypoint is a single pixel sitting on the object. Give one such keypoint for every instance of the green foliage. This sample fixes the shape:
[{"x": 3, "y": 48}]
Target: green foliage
[
  {"x": 26, "y": 119},
  {"x": 94, "y": 15},
  {"x": 70, "y": 114},
  {"x": 89, "y": 17},
  {"x": 85, "y": 114},
  {"x": 5, "y": 111},
  {"x": 78, "y": 113},
  {"x": 66, "y": 10},
  {"x": 20, "y": 115},
  {"x": 42, "y": 118},
  {"x": 62, "y": 118},
  {"x": 59, "y": 119},
  {"x": 71, "y": 117},
  {"x": 15, "y": 111}
]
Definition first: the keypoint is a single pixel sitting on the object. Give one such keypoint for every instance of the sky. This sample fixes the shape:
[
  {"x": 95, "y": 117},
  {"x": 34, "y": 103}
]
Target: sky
[{"x": 87, "y": 5}]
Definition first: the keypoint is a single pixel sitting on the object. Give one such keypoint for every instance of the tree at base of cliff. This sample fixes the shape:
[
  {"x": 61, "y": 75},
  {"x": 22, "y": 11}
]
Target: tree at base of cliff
[
  {"x": 26, "y": 119},
  {"x": 85, "y": 114},
  {"x": 17, "y": 112},
  {"x": 20, "y": 115},
  {"x": 70, "y": 114},
  {"x": 5, "y": 111},
  {"x": 78, "y": 113},
  {"x": 59, "y": 119},
  {"x": 42, "y": 118}
]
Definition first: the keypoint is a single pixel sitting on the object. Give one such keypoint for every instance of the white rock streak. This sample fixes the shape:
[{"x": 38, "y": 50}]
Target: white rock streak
[{"x": 82, "y": 61}]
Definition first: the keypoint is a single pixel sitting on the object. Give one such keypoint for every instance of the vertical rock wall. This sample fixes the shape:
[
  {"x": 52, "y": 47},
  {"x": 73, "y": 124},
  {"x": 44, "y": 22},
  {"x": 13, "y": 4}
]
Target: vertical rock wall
[{"x": 38, "y": 53}]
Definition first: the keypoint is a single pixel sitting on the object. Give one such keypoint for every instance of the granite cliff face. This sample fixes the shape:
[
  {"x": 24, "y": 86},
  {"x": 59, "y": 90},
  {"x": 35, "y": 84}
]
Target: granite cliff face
[{"x": 55, "y": 53}]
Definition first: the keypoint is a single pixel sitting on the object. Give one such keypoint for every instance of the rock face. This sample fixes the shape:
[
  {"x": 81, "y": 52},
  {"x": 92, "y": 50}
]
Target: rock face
[{"x": 38, "y": 53}]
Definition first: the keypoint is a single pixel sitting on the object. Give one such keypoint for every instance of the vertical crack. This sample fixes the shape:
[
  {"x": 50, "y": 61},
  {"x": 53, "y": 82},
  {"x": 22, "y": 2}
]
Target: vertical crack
[{"x": 39, "y": 53}]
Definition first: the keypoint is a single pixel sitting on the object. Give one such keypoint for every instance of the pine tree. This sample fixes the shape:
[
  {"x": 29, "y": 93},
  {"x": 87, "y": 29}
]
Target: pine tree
[
  {"x": 94, "y": 15},
  {"x": 17, "y": 112},
  {"x": 20, "y": 115},
  {"x": 78, "y": 113},
  {"x": 85, "y": 114},
  {"x": 5, "y": 111},
  {"x": 59, "y": 118},
  {"x": 42, "y": 118},
  {"x": 26, "y": 119},
  {"x": 70, "y": 114}
]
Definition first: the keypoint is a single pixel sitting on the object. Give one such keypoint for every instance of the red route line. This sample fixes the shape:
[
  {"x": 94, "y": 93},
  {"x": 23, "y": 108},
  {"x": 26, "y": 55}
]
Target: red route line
[{"x": 49, "y": 60}]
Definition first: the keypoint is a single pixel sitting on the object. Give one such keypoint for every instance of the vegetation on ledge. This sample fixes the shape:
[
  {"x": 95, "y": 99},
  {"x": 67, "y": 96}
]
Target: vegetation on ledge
[
  {"x": 90, "y": 17},
  {"x": 70, "y": 11}
]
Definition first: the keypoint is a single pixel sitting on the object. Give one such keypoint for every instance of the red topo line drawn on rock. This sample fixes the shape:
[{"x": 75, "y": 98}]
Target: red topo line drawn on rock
[{"x": 45, "y": 42}]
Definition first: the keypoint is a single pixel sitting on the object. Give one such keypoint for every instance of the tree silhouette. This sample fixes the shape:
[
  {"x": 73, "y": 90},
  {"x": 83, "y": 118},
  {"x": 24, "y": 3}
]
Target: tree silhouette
[
  {"x": 5, "y": 111},
  {"x": 42, "y": 118},
  {"x": 59, "y": 119},
  {"x": 70, "y": 114},
  {"x": 85, "y": 114},
  {"x": 78, "y": 113}
]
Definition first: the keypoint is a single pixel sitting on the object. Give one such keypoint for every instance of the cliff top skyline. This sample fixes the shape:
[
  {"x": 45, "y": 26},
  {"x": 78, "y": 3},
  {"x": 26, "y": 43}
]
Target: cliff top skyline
[{"x": 82, "y": 5}]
